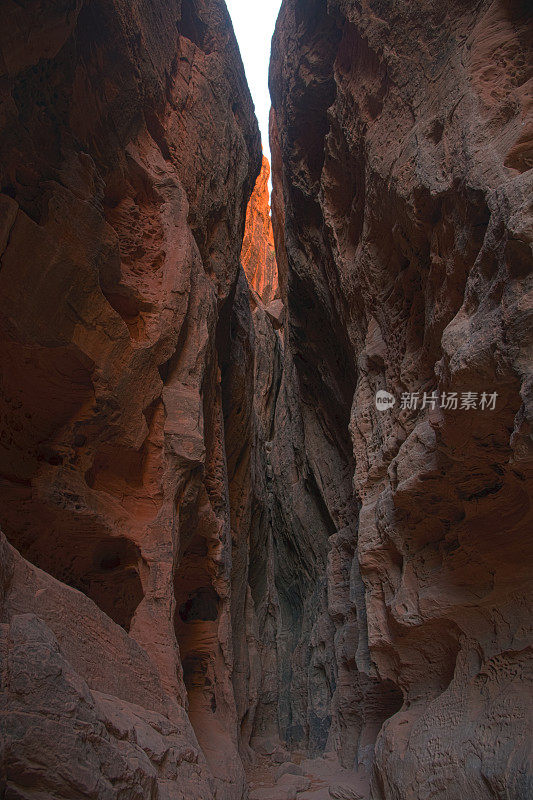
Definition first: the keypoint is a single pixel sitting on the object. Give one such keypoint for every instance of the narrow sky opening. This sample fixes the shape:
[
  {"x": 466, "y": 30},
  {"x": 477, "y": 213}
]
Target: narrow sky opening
[{"x": 254, "y": 24}]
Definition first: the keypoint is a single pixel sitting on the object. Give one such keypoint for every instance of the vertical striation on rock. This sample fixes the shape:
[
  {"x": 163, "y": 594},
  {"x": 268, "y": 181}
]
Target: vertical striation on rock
[
  {"x": 291, "y": 517},
  {"x": 401, "y": 141}
]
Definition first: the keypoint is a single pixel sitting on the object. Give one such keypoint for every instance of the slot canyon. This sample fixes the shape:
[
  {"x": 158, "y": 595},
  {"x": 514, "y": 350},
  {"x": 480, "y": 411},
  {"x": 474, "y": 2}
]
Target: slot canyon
[{"x": 226, "y": 572}]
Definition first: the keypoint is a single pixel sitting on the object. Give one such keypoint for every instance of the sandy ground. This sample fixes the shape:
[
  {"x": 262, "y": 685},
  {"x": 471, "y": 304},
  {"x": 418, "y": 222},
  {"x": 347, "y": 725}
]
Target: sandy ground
[{"x": 319, "y": 779}]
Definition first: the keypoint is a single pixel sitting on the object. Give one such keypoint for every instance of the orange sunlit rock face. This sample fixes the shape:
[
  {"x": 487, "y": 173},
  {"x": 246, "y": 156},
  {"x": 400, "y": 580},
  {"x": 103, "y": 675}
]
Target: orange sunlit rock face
[{"x": 258, "y": 256}]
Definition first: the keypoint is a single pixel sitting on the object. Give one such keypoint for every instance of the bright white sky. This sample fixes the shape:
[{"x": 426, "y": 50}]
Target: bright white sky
[{"x": 254, "y": 22}]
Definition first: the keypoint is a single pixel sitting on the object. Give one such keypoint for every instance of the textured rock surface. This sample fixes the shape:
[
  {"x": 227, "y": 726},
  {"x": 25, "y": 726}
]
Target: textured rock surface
[
  {"x": 83, "y": 710},
  {"x": 401, "y": 148},
  {"x": 129, "y": 152}
]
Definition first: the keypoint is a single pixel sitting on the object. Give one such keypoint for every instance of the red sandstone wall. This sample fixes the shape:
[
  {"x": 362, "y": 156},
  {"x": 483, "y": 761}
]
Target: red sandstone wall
[{"x": 120, "y": 242}]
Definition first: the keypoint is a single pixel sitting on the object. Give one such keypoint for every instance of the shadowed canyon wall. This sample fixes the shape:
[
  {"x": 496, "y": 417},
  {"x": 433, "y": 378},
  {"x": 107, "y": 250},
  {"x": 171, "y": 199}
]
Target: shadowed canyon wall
[
  {"x": 401, "y": 139},
  {"x": 215, "y": 548}
]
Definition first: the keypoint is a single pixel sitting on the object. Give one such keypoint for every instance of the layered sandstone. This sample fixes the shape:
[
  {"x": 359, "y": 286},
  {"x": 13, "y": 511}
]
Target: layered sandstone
[
  {"x": 401, "y": 141},
  {"x": 129, "y": 152}
]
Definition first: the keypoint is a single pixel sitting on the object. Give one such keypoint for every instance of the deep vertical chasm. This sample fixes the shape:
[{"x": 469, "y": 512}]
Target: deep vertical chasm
[{"x": 401, "y": 138}]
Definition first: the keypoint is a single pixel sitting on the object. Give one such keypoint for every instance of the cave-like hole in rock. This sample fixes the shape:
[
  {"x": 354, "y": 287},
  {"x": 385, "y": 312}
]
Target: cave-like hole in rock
[
  {"x": 113, "y": 581},
  {"x": 202, "y": 605},
  {"x": 107, "y": 571},
  {"x": 104, "y": 568}
]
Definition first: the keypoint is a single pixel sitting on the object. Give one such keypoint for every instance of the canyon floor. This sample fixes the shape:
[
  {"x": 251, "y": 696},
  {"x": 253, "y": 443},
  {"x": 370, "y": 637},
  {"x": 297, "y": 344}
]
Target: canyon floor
[{"x": 302, "y": 778}]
